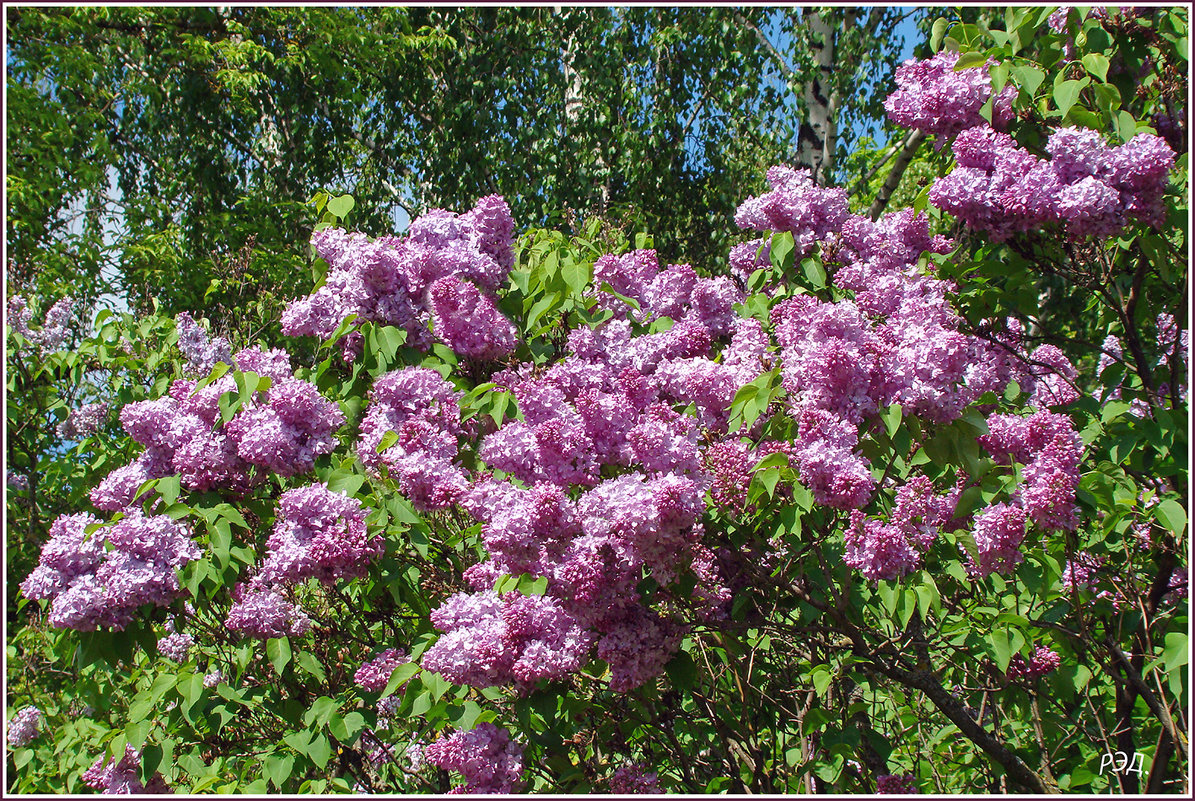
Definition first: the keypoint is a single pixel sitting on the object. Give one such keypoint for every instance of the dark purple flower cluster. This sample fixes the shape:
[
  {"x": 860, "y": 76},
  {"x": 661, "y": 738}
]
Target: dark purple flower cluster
[
  {"x": 423, "y": 409},
  {"x": 404, "y": 281},
  {"x": 1042, "y": 662},
  {"x": 90, "y": 586},
  {"x": 933, "y": 97},
  {"x": 1086, "y": 187},
  {"x": 123, "y": 777},
  {"x": 485, "y": 757},
  {"x": 282, "y": 430},
  {"x": 896, "y": 784}
]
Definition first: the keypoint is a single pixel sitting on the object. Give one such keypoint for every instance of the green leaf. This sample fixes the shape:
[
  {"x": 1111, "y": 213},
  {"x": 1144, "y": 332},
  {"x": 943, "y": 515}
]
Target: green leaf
[
  {"x": 277, "y": 768},
  {"x": 401, "y": 675},
  {"x": 320, "y": 750},
  {"x": 321, "y": 710},
  {"x": 682, "y": 670},
  {"x": 341, "y": 206},
  {"x": 969, "y": 60},
  {"x": 1176, "y": 653},
  {"x": 312, "y": 666},
  {"x": 278, "y": 650},
  {"x": 822, "y": 678},
  {"x": 388, "y": 439},
  {"x": 782, "y": 251},
  {"x": 1171, "y": 514},
  {"x": 937, "y": 33},
  {"x": 1097, "y": 64},
  {"x": 1001, "y": 649},
  {"x": 815, "y": 272},
  {"x": 1030, "y": 78},
  {"x": 577, "y": 275},
  {"x": 1066, "y": 93}
]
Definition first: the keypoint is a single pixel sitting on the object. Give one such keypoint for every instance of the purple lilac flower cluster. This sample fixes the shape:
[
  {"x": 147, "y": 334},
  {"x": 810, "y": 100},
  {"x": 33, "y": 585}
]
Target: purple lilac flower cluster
[
  {"x": 1048, "y": 446},
  {"x": 317, "y": 534},
  {"x": 89, "y": 585},
  {"x": 935, "y": 98},
  {"x": 264, "y": 612},
  {"x": 202, "y": 352},
  {"x": 24, "y": 726},
  {"x": 897, "y": 341},
  {"x": 445, "y": 271},
  {"x": 176, "y": 646},
  {"x": 374, "y": 675},
  {"x": 84, "y": 421},
  {"x": 896, "y": 784},
  {"x": 1042, "y": 662},
  {"x": 893, "y": 549},
  {"x": 491, "y": 640},
  {"x": 282, "y": 430},
  {"x": 485, "y": 757},
  {"x": 423, "y": 409},
  {"x": 1086, "y": 187},
  {"x": 634, "y": 780},
  {"x": 55, "y": 326},
  {"x": 112, "y": 777}
]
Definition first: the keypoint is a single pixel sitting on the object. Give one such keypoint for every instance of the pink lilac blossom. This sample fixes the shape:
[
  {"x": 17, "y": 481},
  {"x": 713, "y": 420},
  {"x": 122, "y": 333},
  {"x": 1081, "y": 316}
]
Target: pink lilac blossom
[
  {"x": 56, "y": 325},
  {"x": 385, "y": 281},
  {"x": 123, "y": 778},
  {"x": 118, "y": 490},
  {"x": 890, "y": 550},
  {"x": 176, "y": 646},
  {"x": 90, "y": 586},
  {"x": 748, "y": 257},
  {"x": 375, "y": 674},
  {"x": 933, "y": 97},
  {"x": 213, "y": 678},
  {"x": 17, "y": 482},
  {"x": 17, "y": 315},
  {"x": 285, "y": 432},
  {"x": 1042, "y": 662},
  {"x": 423, "y": 409},
  {"x": 264, "y": 612},
  {"x": 998, "y": 533},
  {"x": 797, "y": 205},
  {"x": 468, "y": 321},
  {"x": 84, "y": 421},
  {"x": 202, "y": 352},
  {"x": 896, "y": 784},
  {"x": 634, "y": 780},
  {"x": 637, "y": 645},
  {"x": 490, "y": 641},
  {"x": 1050, "y": 449},
  {"x": 1087, "y": 187},
  {"x": 485, "y": 757},
  {"x": 1055, "y": 378},
  {"x": 318, "y": 534},
  {"x": 24, "y": 727}
]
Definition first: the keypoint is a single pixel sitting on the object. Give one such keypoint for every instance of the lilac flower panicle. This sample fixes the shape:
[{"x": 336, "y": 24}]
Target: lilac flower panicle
[
  {"x": 933, "y": 97},
  {"x": 213, "y": 678},
  {"x": 24, "y": 727},
  {"x": 84, "y": 421},
  {"x": 112, "y": 777},
  {"x": 176, "y": 646},
  {"x": 485, "y": 757},
  {"x": 203, "y": 352},
  {"x": 1042, "y": 662},
  {"x": 375, "y": 674},
  {"x": 797, "y": 205},
  {"x": 468, "y": 321},
  {"x": 896, "y": 784},
  {"x": 264, "y": 613},
  {"x": 634, "y": 780},
  {"x": 56, "y": 325},
  {"x": 319, "y": 534}
]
